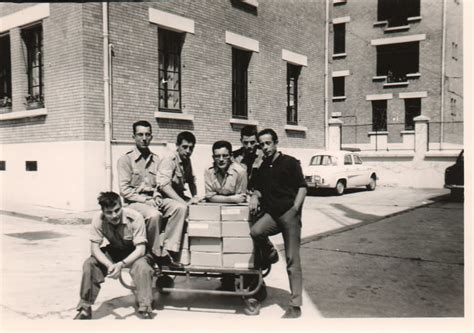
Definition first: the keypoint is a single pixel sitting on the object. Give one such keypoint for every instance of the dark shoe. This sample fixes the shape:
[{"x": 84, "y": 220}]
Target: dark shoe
[
  {"x": 84, "y": 314},
  {"x": 145, "y": 315},
  {"x": 273, "y": 256},
  {"x": 292, "y": 312},
  {"x": 171, "y": 264}
]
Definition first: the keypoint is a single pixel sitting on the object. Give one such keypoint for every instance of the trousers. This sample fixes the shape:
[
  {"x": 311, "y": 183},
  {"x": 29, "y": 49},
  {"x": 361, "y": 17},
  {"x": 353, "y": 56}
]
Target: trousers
[
  {"x": 289, "y": 224},
  {"x": 94, "y": 273}
]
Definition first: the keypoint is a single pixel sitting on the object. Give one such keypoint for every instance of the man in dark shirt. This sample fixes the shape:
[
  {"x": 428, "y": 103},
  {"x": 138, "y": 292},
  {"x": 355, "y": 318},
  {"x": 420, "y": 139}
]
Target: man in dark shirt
[
  {"x": 280, "y": 190},
  {"x": 249, "y": 155}
]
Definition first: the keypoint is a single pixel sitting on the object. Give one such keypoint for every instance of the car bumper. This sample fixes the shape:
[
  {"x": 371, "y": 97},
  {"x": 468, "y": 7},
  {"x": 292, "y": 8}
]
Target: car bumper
[{"x": 318, "y": 185}]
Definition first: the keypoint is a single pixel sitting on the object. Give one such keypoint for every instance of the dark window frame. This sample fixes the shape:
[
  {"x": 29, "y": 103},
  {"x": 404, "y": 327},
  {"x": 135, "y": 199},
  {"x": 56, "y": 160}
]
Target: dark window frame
[
  {"x": 240, "y": 64},
  {"x": 5, "y": 70},
  {"x": 32, "y": 37},
  {"x": 412, "y": 110},
  {"x": 379, "y": 115},
  {"x": 31, "y": 166},
  {"x": 338, "y": 86},
  {"x": 397, "y": 12},
  {"x": 397, "y": 60},
  {"x": 170, "y": 45},
  {"x": 339, "y": 32},
  {"x": 292, "y": 77}
]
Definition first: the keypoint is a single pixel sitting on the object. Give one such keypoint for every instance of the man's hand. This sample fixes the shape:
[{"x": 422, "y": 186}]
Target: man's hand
[
  {"x": 254, "y": 204},
  {"x": 194, "y": 200},
  {"x": 239, "y": 198},
  {"x": 114, "y": 270}
]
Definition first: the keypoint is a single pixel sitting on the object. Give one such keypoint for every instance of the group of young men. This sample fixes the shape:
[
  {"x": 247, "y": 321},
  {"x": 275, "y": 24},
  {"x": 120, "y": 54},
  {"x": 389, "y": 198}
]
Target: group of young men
[{"x": 146, "y": 232}]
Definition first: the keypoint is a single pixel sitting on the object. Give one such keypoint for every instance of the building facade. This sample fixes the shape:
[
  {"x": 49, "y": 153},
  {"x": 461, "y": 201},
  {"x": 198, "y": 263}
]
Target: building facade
[
  {"x": 392, "y": 61},
  {"x": 75, "y": 77}
]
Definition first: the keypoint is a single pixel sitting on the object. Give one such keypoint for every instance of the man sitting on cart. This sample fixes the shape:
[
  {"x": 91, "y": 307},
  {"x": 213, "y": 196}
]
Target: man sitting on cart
[{"x": 124, "y": 229}]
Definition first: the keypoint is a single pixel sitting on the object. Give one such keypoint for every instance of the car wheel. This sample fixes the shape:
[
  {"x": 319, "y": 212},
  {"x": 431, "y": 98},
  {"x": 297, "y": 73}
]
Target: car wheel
[
  {"x": 372, "y": 184},
  {"x": 340, "y": 187}
]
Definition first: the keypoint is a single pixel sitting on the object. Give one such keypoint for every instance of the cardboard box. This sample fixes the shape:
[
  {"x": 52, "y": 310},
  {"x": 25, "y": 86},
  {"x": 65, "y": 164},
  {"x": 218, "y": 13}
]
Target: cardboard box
[
  {"x": 237, "y": 245},
  {"x": 205, "y": 212},
  {"x": 204, "y": 229},
  {"x": 235, "y": 229},
  {"x": 209, "y": 259},
  {"x": 205, "y": 244},
  {"x": 235, "y": 213},
  {"x": 238, "y": 260}
]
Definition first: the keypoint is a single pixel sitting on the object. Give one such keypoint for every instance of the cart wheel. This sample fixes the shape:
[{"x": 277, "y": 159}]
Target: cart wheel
[
  {"x": 164, "y": 281},
  {"x": 252, "y": 306}
]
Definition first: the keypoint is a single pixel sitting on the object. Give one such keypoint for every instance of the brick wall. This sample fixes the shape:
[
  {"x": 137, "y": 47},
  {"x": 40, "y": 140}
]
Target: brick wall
[{"x": 63, "y": 83}]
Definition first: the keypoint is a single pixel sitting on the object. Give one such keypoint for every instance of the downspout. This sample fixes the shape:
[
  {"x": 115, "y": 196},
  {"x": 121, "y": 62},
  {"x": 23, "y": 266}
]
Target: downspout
[
  {"x": 326, "y": 64},
  {"x": 107, "y": 95},
  {"x": 443, "y": 70}
]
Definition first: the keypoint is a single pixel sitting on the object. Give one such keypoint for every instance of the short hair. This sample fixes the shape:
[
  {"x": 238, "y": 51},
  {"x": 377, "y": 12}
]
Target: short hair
[
  {"x": 188, "y": 136},
  {"x": 108, "y": 199},
  {"x": 222, "y": 144},
  {"x": 248, "y": 130},
  {"x": 143, "y": 123},
  {"x": 268, "y": 131}
]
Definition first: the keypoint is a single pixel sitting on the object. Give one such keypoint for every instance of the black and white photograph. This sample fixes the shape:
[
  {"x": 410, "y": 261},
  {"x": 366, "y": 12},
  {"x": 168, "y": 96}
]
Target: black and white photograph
[{"x": 236, "y": 165}]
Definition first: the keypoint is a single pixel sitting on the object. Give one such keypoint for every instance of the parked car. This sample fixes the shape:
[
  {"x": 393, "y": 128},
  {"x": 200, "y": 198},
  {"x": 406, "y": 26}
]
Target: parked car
[
  {"x": 339, "y": 170},
  {"x": 454, "y": 177}
]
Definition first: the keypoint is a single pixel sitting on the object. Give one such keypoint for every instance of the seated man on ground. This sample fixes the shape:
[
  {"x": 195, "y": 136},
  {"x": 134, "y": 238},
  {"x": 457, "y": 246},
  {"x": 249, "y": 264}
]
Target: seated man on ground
[{"x": 124, "y": 229}]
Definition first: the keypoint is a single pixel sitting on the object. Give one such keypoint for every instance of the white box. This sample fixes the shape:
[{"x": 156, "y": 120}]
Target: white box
[
  {"x": 205, "y": 244},
  {"x": 237, "y": 245},
  {"x": 235, "y": 229},
  {"x": 209, "y": 259},
  {"x": 204, "y": 228},
  {"x": 235, "y": 213},
  {"x": 204, "y": 212},
  {"x": 238, "y": 260}
]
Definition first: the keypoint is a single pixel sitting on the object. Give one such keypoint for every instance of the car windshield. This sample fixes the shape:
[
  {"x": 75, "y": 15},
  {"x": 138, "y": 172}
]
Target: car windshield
[{"x": 321, "y": 160}]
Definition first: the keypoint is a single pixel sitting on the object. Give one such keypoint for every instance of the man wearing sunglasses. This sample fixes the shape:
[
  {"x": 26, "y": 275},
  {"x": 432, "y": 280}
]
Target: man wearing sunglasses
[{"x": 225, "y": 181}]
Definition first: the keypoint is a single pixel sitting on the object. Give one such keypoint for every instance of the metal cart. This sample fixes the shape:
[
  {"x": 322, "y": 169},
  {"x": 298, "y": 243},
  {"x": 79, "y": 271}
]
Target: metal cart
[{"x": 248, "y": 283}]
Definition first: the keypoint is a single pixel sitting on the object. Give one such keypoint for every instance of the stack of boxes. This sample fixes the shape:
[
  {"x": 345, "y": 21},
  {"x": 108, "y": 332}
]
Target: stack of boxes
[{"x": 219, "y": 236}]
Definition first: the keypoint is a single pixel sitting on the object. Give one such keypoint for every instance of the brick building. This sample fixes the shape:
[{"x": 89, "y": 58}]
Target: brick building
[
  {"x": 391, "y": 61},
  {"x": 74, "y": 80}
]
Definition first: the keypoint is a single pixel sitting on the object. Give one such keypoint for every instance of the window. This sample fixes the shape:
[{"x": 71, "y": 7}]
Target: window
[
  {"x": 397, "y": 60},
  {"x": 240, "y": 63},
  {"x": 339, "y": 38},
  {"x": 292, "y": 74},
  {"x": 454, "y": 51},
  {"x": 321, "y": 160},
  {"x": 338, "y": 89},
  {"x": 33, "y": 39},
  {"x": 31, "y": 166},
  {"x": 396, "y": 12},
  {"x": 169, "y": 70},
  {"x": 5, "y": 72},
  {"x": 3, "y": 166},
  {"x": 412, "y": 110},
  {"x": 379, "y": 115},
  {"x": 357, "y": 159},
  {"x": 347, "y": 160}
]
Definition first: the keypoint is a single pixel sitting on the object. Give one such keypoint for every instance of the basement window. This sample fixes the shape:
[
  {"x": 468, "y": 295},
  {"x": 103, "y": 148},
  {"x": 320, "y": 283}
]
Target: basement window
[
  {"x": 397, "y": 12},
  {"x": 379, "y": 115},
  {"x": 31, "y": 166},
  {"x": 395, "y": 61},
  {"x": 412, "y": 110},
  {"x": 3, "y": 166}
]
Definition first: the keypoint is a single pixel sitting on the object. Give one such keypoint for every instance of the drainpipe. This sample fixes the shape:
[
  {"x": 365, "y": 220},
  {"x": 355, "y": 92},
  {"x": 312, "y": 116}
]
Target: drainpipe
[
  {"x": 443, "y": 70},
  {"x": 326, "y": 64},
  {"x": 107, "y": 96}
]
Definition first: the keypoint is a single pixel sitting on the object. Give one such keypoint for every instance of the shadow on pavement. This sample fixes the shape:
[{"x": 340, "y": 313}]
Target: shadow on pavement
[{"x": 124, "y": 304}]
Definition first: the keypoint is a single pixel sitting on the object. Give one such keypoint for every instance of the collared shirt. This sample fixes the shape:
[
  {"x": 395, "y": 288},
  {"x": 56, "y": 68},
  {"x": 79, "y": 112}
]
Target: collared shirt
[
  {"x": 137, "y": 175},
  {"x": 235, "y": 181},
  {"x": 173, "y": 171},
  {"x": 129, "y": 233},
  {"x": 279, "y": 182},
  {"x": 250, "y": 162}
]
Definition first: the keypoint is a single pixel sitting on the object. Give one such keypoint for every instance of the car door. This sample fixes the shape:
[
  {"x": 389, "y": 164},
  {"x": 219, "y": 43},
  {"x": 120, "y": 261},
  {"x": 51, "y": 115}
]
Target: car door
[
  {"x": 362, "y": 177},
  {"x": 350, "y": 171}
]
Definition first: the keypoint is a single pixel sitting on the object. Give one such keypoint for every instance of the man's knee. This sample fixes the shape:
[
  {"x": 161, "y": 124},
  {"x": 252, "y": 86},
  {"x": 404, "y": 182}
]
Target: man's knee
[
  {"x": 179, "y": 209},
  {"x": 256, "y": 232},
  {"x": 154, "y": 217},
  {"x": 141, "y": 267},
  {"x": 89, "y": 264}
]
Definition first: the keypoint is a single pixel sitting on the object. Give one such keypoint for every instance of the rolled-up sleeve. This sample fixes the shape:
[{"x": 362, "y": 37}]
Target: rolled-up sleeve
[
  {"x": 96, "y": 233},
  {"x": 165, "y": 172},
  {"x": 139, "y": 231},
  {"x": 241, "y": 182},
  {"x": 127, "y": 191},
  {"x": 210, "y": 190}
]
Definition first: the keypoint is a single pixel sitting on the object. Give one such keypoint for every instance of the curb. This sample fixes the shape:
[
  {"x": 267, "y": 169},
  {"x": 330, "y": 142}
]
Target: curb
[{"x": 52, "y": 220}]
